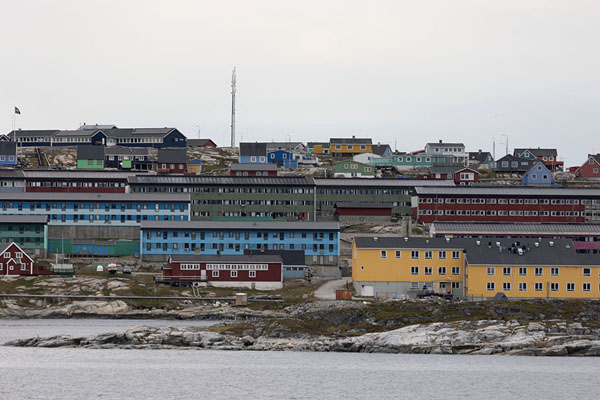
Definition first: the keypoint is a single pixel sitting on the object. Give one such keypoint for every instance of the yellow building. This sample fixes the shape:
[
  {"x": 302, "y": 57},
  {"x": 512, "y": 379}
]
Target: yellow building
[
  {"x": 349, "y": 146},
  {"x": 531, "y": 268},
  {"x": 407, "y": 267},
  {"x": 318, "y": 147}
]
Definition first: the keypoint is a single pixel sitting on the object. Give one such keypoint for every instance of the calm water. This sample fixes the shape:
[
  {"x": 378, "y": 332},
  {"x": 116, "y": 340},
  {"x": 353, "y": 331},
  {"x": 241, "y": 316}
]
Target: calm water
[{"x": 195, "y": 374}]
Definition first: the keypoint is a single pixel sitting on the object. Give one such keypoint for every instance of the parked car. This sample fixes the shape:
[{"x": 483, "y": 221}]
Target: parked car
[{"x": 127, "y": 269}]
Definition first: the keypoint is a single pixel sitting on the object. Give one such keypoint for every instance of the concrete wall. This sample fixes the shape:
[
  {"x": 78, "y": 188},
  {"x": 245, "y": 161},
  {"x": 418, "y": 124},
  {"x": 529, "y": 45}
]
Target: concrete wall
[
  {"x": 394, "y": 289},
  {"x": 93, "y": 232}
]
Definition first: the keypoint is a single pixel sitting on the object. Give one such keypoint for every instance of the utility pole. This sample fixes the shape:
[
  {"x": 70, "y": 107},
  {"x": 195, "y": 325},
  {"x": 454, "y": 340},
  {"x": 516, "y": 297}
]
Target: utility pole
[{"x": 233, "y": 108}]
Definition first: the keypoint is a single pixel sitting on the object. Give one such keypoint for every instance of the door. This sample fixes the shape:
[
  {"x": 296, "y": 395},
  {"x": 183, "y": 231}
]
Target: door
[{"x": 203, "y": 275}]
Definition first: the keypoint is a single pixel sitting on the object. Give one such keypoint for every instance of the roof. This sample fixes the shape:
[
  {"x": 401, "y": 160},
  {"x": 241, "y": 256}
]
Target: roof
[
  {"x": 492, "y": 251},
  {"x": 253, "y": 167},
  {"x": 9, "y": 173},
  {"x": 79, "y": 174},
  {"x": 116, "y": 197},
  {"x": 289, "y": 257},
  {"x": 24, "y": 219},
  {"x": 243, "y": 225},
  {"x": 90, "y": 152},
  {"x": 199, "y": 142},
  {"x": 380, "y": 149},
  {"x": 534, "y": 164},
  {"x": 313, "y": 144},
  {"x": 536, "y": 152},
  {"x": 363, "y": 205},
  {"x": 480, "y": 156},
  {"x": 351, "y": 140},
  {"x": 220, "y": 180},
  {"x": 379, "y": 182},
  {"x": 76, "y": 133},
  {"x": 8, "y": 148},
  {"x": 31, "y": 133},
  {"x": 501, "y": 229},
  {"x": 253, "y": 149},
  {"x": 126, "y": 151},
  {"x": 507, "y": 191},
  {"x": 444, "y": 144},
  {"x": 96, "y": 127},
  {"x": 139, "y": 132},
  {"x": 225, "y": 258},
  {"x": 283, "y": 145},
  {"x": 172, "y": 156}
]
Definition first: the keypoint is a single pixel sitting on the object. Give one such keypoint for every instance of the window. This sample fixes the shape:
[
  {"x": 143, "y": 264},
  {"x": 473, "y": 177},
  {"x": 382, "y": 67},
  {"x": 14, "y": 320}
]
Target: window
[
  {"x": 587, "y": 286},
  {"x": 442, "y": 255},
  {"x": 539, "y": 271},
  {"x": 215, "y": 273},
  {"x": 506, "y": 271},
  {"x": 18, "y": 254},
  {"x": 554, "y": 287},
  {"x": 414, "y": 270},
  {"x": 455, "y": 254},
  {"x": 428, "y": 255},
  {"x": 538, "y": 286},
  {"x": 570, "y": 286},
  {"x": 554, "y": 271},
  {"x": 414, "y": 254},
  {"x": 441, "y": 270},
  {"x": 455, "y": 285},
  {"x": 383, "y": 253},
  {"x": 233, "y": 273},
  {"x": 491, "y": 271},
  {"x": 428, "y": 270},
  {"x": 491, "y": 286},
  {"x": 455, "y": 270},
  {"x": 587, "y": 271},
  {"x": 522, "y": 271},
  {"x": 398, "y": 252},
  {"x": 506, "y": 286},
  {"x": 252, "y": 274},
  {"x": 522, "y": 286}
]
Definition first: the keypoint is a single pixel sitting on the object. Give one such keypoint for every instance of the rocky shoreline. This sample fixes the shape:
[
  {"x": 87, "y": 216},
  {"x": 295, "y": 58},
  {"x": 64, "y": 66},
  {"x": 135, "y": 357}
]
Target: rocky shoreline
[{"x": 485, "y": 337}]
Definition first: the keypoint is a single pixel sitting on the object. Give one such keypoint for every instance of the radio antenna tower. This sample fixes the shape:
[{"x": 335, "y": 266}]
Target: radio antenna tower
[{"x": 233, "y": 108}]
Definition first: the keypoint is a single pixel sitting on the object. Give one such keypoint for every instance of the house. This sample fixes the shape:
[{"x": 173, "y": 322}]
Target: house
[
  {"x": 590, "y": 168},
  {"x": 260, "y": 272},
  {"x": 253, "y": 170},
  {"x": 202, "y": 143},
  {"x": 452, "y": 153},
  {"x": 145, "y": 137},
  {"x": 407, "y": 267},
  {"x": 353, "y": 169},
  {"x": 172, "y": 161},
  {"x": 291, "y": 146},
  {"x": 318, "y": 147},
  {"x": 15, "y": 261},
  {"x": 253, "y": 152},
  {"x": 194, "y": 166},
  {"x": 33, "y": 137},
  {"x": 283, "y": 158},
  {"x": 382, "y": 150},
  {"x": 28, "y": 231},
  {"x": 365, "y": 158},
  {"x": 511, "y": 164},
  {"x": 537, "y": 175},
  {"x": 481, "y": 159},
  {"x": 79, "y": 137},
  {"x": 548, "y": 156},
  {"x": 8, "y": 154},
  {"x": 347, "y": 147},
  {"x": 90, "y": 157},
  {"x": 460, "y": 175},
  {"x": 294, "y": 264},
  {"x": 127, "y": 158}
]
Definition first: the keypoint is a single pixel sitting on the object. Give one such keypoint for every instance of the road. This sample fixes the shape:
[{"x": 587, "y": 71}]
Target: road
[{"x": 327, "y": 290}]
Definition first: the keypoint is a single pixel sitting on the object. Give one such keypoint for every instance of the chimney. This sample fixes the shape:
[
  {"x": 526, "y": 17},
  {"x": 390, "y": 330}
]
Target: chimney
[
  {"x": 440, "y": 141},
  {"x": 480, "y": 151},
  {"x": 353, "y": 137}
]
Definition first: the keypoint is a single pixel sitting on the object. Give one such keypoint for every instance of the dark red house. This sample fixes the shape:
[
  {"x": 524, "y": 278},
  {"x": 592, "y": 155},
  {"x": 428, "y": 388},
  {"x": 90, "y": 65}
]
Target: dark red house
[
  {"x": 204, "y": 143},
  {"x": 460, "y": 175},
  {"x": 14, "y": 261},
  {"x": 172, "y": 161},
  {"x": 253, "y": 169},
  {"x": 590, "y": 168},
  {"x": 262, "y": 272}
]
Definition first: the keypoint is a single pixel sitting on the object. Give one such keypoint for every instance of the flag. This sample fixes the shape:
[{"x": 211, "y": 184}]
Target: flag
[{"x": 17, "y": 111}]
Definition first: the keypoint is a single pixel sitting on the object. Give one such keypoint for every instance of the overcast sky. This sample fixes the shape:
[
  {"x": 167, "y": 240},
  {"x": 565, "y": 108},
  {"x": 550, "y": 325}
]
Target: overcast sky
[{"x": 396, "y": 71}]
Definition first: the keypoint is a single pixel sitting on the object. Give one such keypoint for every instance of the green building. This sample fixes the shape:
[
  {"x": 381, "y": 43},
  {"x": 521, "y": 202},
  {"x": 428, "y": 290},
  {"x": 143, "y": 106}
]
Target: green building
[
  {"x": 353, "y": 169},
  {"x": 94, "y": 247},
  {"x": 30, "y": 232},
  {"x": 90, "y": 157}
]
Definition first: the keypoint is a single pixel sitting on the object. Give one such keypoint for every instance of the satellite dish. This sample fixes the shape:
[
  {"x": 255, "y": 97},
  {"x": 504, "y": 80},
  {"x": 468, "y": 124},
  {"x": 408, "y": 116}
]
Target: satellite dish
[{"x": 99, "y": 268}]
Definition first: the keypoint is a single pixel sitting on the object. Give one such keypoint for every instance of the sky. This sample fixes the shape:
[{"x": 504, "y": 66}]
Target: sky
[{"x": 400, "y": 72}]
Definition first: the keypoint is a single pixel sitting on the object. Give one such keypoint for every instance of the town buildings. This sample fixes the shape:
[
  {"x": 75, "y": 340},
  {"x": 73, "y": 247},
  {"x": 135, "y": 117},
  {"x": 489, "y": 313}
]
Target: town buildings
[
  {"x": 353, "y": 169},
  {"x": 27, "y": 231},
  {"x": 8, "y": 154},
  {"x": 548, "y": 156},
  {"x": 537, "y": 175},
  {"x": 347, "y": 147},
  {"x": 15, "y": 261},
  {"x": 90, "y": 157},
  {"x": 253, "y": 169},
  {"x": 172, "y": 161},
  {"x": 453, "y": 153},
  {"x": 128, "y": 158},
  {"x": 590, "y": 168},
  {"x": 253, "y": 153}
]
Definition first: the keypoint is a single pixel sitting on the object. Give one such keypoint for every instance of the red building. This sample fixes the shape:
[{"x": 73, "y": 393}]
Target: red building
[
  {"x": 363, "y": 212},
  {"x": 262, "y": 272},
  {"x": 590, "y": 168},
  {"x": 505, "y": 204},
  {"x": 76, "y": 181},
  {"x": 460, "y": 175},
  {"x": 172, "y": 161},
  {"x": 14, "y": 261},
  {"x": 253, "y": 169}
]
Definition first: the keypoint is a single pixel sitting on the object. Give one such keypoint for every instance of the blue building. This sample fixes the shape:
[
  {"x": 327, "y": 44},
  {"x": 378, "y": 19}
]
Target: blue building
[
  {"x": 284, "y": 158},
  {"x": 537, "y": 175},
  {"x": 320, "y": 241},
  {"x": 8, "y": 154},
  {"x": 100, "y": 209},
  {"x": 253, "y": 153}
]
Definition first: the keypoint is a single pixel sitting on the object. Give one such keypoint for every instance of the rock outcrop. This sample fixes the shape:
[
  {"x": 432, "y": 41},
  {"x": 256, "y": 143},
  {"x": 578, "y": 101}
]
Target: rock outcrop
[{"x": 551, "y": 338}]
